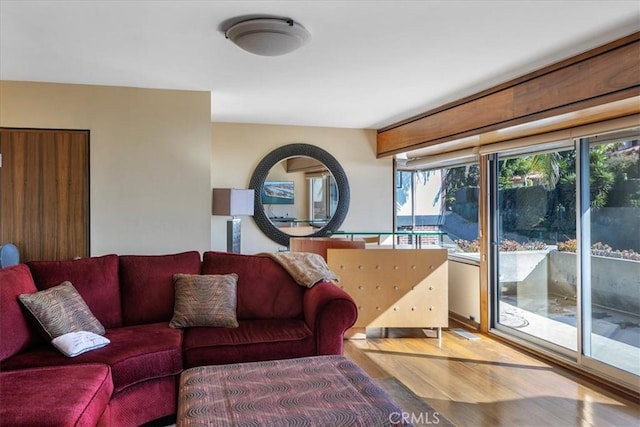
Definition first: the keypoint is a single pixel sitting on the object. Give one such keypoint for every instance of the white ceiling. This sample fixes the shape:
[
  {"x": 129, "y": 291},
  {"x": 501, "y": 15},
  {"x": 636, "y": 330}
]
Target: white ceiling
[{"x": 369, "y": 63}]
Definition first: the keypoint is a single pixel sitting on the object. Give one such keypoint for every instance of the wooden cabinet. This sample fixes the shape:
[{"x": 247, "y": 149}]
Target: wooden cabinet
[
  {"x": 395, "y": 287},
  {"x": 319, "y": 245}
]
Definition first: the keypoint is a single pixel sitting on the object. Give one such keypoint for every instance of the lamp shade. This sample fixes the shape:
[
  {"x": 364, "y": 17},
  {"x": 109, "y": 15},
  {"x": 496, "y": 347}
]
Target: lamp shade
[{"x": 232, "y": 202}]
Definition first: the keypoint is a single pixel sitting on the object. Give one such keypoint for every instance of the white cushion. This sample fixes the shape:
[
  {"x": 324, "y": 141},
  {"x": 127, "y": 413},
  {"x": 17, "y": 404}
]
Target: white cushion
[{"x": 75, "y": 343}]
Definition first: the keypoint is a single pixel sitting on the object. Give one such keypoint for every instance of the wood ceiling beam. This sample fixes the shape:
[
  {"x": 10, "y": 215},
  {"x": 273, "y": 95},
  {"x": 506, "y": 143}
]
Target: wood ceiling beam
[{"x": 600, "y": 76}]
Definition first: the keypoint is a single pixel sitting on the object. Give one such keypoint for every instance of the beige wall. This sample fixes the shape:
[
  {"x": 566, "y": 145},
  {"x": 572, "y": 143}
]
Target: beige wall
[
  {"x": 238, "y": 148},
  {"x": 464, "y": 289},
  {"x": 154, "y": 156},
  {"x": 149, "y": 159}
]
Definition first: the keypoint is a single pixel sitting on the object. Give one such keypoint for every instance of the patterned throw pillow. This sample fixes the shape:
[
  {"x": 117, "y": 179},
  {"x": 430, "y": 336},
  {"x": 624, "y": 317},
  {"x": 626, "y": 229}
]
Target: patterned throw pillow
[
  {"x": 60, "y": 310},
  {"x": 205, "y": 300}
]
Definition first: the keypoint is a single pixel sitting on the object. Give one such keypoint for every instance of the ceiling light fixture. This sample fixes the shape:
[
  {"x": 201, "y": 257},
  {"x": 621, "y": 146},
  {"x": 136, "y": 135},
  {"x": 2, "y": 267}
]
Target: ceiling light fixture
[{"x": 268, "y": 36}]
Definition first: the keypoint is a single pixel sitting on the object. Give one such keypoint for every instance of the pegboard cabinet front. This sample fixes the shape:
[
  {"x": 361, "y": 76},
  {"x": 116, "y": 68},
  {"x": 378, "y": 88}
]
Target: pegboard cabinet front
[{"x": 402, "y": 288}]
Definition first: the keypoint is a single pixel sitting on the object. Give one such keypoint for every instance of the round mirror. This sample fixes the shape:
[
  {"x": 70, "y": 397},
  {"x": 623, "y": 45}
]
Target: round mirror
[
  {"x": 300, "y": 190},
  {"x": 299, "y": 195}
]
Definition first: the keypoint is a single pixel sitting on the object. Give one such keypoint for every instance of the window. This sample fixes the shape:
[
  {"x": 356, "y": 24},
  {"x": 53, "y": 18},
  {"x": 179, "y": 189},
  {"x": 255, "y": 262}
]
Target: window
[
  {"x": 323, "y": 196},
  {"x": 445, "y": 200}
]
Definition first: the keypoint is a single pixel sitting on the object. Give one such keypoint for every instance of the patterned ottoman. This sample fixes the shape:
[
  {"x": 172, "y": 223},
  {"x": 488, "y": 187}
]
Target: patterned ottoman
[{"x": 309, "y": 391}]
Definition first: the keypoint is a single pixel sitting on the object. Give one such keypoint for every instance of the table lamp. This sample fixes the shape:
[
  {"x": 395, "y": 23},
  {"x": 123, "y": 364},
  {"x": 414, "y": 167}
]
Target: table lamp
[{"x": 232, "y": 202}]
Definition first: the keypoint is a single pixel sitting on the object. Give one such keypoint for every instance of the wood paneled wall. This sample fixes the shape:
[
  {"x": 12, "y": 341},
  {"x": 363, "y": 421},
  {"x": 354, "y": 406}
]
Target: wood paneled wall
[
  {"x": 600, "y": 76},
  {"x": 44, "y": 193}
]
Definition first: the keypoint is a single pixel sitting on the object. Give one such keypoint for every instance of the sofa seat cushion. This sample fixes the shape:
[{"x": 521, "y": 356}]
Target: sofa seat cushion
[
  {"x": 15, "y": 332},
  {"x": 136, "y": 354},
  {"x": 265, "y": 289},
  {"x": 147, "y": 284},
  {"x": 56, "y": 396},
  {"x": 95, "y": 278},
  {"x": 253, "y": 340},
  {"x": 144, "y": 404}
]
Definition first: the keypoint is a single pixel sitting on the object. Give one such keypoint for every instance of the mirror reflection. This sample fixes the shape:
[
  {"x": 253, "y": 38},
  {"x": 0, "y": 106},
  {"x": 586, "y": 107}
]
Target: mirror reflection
[
  {"x": 324, "y": 193},
  {"x": 299, "y": 196}
]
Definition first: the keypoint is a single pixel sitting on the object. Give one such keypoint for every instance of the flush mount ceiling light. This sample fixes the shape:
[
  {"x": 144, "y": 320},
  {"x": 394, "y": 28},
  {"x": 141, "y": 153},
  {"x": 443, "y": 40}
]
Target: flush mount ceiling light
[{"x": 268, "y": 36}]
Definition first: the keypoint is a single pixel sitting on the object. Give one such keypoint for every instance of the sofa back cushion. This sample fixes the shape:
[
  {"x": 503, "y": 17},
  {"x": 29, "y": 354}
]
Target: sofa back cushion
[
  {"x": 15, "y": 332},
  {"x": 95, "y": 279},
  {"x": 265, "y": 289},
  {"x": 147, "y": 285}
]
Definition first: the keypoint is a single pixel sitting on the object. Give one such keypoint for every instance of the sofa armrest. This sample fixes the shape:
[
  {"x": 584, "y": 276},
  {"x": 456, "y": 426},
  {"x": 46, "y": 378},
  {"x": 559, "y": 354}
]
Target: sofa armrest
[{"x": 329, "y": 311}]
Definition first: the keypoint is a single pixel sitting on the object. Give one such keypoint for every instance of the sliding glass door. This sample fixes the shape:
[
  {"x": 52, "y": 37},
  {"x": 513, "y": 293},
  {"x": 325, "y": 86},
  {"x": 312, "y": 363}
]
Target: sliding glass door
[
  {"x": 535, "y": 226},
  {"x": 565, "y": 245},
  {"x": 611, "y": 244}
]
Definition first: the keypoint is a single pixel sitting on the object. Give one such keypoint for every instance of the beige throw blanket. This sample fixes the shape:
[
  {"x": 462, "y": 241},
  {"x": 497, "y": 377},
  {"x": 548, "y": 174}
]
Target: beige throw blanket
[{"x": 306, "y": 268}]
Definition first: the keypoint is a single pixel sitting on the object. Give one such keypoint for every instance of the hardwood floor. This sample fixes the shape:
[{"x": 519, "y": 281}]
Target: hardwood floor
[{"x": 484, "y": 382}]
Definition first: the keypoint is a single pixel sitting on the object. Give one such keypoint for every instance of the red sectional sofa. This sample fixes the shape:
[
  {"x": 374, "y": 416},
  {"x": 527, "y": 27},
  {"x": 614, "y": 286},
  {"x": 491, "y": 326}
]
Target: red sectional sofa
[{"x": 133, "y": 380}]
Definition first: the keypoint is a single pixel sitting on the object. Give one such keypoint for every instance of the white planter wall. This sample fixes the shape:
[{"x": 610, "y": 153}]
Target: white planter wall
[{"x": 615, "y": 282}]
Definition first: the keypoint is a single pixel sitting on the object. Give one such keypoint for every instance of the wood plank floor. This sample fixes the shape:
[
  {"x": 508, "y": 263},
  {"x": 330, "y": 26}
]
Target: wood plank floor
[{"x": 487, "y": 383}]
